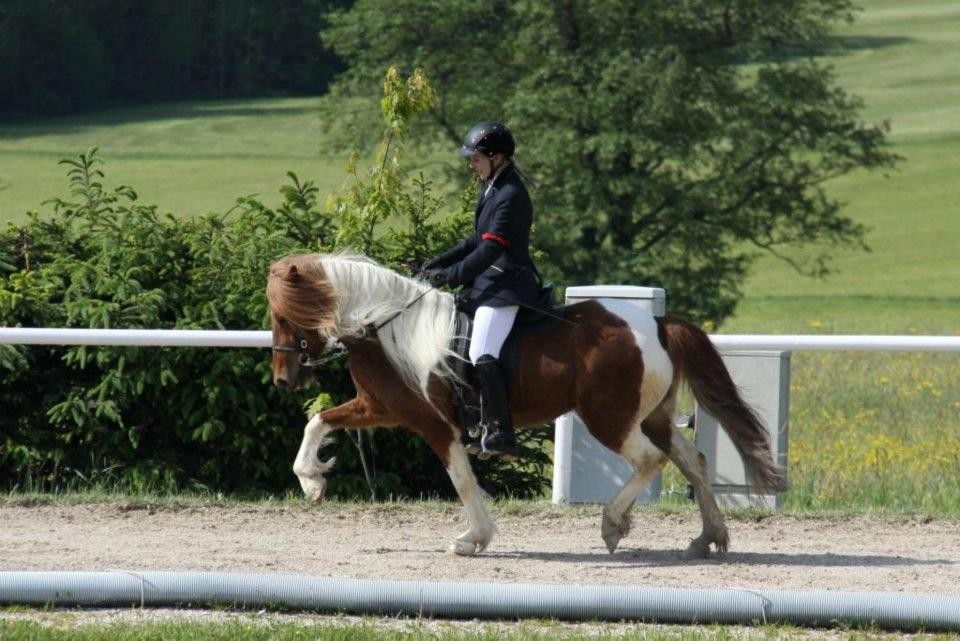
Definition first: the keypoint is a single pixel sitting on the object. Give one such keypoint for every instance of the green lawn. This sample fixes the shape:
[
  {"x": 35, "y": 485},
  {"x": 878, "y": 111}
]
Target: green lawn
[
  {"x": 265, "y": 626},
  {"x": 184, "y": 157},
  {"x": 903, "y": 59}
]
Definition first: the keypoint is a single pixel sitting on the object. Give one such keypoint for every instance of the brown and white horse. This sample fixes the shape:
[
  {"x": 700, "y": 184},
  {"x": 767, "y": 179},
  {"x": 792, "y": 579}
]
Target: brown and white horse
[{"x": 621, "y": 381}]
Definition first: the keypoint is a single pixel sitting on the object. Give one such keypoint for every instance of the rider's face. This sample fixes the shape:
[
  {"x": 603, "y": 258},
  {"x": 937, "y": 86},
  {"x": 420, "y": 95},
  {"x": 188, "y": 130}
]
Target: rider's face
[
  {"x": 484, "y": 165},
  {"x": 481, "y": 165}
]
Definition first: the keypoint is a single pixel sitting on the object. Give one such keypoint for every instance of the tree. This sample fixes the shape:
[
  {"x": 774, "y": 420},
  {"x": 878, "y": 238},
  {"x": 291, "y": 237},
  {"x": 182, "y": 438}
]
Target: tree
[
  {"x": 61, "y": 56},
  {"x": 160, "y": 419},
  {"x": 669, "y": 142}
]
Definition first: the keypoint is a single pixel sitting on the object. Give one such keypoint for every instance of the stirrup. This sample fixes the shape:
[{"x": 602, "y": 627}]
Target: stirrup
[
  {"x": 477, "y": 434},
  {"x": 482, "y": 451},
  {"x": 506, "y": 453}
]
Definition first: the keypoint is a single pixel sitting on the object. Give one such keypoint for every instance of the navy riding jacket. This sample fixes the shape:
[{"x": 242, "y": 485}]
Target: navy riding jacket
[{"x": 493, "y": 264}]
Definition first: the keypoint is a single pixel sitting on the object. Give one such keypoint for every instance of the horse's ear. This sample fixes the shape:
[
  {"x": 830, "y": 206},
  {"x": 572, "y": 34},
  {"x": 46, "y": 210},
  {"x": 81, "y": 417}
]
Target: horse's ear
[{"x": 294, "y": 274}]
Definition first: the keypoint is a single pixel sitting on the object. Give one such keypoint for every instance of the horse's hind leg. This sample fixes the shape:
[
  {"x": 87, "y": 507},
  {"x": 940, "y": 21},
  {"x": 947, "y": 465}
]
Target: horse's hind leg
[
  {"x": 694, "y": 468},
  {"x": 616, "y": 513},
  {"x": 619, "y": 430}
]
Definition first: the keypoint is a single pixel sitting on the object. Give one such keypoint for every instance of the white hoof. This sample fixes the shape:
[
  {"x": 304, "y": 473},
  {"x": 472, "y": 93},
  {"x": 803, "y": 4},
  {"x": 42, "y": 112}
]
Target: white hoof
[
  {"x": 311, "y": 478},
  {"x": 469, "y": 544},
  {"x": 314, "y": 488},
  {"x": 464, "y": 547}
]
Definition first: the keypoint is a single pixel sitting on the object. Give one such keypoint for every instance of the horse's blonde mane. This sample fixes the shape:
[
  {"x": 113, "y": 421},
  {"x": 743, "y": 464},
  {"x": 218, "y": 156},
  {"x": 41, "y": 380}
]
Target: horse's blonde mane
[{"x": 416, "y": 340}]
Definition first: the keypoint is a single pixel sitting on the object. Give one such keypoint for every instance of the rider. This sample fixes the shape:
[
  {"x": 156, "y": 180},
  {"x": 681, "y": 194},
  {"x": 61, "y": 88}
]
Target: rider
[{"x": 494, "y": 268}]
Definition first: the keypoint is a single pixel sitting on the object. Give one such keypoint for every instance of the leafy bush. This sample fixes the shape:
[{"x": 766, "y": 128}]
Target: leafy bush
[{"x": 173, "y": 418}]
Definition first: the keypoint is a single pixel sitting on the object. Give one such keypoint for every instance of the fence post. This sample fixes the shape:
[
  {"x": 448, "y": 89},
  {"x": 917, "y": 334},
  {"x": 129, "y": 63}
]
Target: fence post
[
  {"x": 764, "y": 381},
  {"x": 584, "y": 471}
]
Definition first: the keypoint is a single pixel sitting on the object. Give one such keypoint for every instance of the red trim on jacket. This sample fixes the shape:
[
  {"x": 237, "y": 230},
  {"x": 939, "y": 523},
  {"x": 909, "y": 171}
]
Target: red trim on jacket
[{"x": 495, "y": 238}]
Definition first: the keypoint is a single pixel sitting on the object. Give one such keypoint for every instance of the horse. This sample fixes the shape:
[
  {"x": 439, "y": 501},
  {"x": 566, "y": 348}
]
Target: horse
[{"x": 621, "y": 381}]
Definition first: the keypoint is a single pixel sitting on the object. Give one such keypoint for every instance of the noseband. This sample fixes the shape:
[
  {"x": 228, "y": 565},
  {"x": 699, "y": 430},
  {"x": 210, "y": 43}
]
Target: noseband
[{"x": 304, "y": 358}]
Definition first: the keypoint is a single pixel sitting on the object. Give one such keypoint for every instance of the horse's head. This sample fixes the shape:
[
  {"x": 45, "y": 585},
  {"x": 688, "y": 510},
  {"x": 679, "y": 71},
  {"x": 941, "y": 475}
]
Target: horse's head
[
  {"x": 302, "y": 316},
  {"x": 293, "y": 349}
]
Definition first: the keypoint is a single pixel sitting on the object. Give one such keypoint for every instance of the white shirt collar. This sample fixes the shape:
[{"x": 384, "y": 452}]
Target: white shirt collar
[{"x": 494, "y": 178}]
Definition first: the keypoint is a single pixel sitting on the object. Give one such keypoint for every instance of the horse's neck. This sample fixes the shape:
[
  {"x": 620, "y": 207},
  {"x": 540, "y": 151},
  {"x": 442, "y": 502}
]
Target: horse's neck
[
  {"x": 369, "y": 291},
  {"x": 417, "y": 322},
  {"x": 369, "y": 366}
]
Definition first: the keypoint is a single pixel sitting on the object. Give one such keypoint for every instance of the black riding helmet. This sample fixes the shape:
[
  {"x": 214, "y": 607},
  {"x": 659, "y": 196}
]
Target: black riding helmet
[{"x": 488, "y": 138}]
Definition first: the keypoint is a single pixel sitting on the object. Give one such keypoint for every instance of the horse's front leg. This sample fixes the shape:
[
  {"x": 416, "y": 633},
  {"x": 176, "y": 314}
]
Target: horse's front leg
[
  {"x": 481, "y": 530},
  {"x": 355, "y": 414}
]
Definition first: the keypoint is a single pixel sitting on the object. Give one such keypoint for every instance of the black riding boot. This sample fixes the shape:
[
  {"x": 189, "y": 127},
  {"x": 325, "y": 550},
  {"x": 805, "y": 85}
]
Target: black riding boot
[{"x": 497, "y": 438}]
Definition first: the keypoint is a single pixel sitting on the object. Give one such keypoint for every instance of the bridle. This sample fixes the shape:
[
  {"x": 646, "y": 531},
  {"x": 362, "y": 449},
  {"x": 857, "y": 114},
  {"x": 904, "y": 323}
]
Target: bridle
[{"x": 304, "y": 357}]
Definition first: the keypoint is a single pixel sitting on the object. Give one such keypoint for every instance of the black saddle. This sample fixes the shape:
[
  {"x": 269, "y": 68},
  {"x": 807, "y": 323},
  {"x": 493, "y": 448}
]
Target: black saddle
[{"x": 466, "y": 387}]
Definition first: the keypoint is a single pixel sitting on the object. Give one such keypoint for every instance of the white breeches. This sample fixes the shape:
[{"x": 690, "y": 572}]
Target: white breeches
[{"x": 491, "y": 325}]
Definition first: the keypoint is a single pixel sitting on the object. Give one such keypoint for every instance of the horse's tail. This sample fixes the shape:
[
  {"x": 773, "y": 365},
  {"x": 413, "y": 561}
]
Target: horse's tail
[{"x": 698, "y": 362}]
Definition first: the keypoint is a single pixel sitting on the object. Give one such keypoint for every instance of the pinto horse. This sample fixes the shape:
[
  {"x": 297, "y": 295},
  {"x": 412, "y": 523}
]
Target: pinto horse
[{"x": 621, "y": 381}]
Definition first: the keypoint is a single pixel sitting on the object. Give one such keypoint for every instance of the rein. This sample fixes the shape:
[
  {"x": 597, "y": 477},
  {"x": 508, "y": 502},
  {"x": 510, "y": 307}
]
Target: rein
[
  {"x": 307, "y": 361},
  {"x": 525, "y": 306},
  {"x": 406, "y": 307},
  {"x": 304, "y": 354}
]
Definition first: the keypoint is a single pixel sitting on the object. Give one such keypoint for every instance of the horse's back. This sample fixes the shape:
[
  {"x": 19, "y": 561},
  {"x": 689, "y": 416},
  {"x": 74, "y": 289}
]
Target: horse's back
[{"x": 597, "y": 359}]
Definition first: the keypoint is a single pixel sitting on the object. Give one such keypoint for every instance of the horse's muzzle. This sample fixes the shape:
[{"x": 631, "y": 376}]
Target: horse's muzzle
[{"x": 299, "y": 380}]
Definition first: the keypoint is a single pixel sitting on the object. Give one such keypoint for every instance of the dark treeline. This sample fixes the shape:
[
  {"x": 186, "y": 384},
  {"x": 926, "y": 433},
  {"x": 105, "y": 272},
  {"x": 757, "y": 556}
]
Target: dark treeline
[{"x": 60, "y": 56}]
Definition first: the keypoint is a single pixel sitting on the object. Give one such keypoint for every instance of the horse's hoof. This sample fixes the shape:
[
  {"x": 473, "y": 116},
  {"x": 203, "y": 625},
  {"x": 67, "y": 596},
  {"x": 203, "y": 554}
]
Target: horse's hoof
[
  {"x": 314, "y": 489},
  {"x": 697, "y": 550},
  {"x": 465, "y": 547},
  {"x": 612, "y": 532},
  {"x": 722, "y": 543}
]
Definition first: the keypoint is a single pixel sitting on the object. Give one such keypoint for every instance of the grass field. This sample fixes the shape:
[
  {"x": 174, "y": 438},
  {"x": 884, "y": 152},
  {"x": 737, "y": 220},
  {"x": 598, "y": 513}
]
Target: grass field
[
  {"x": 904, "y": 61},
  {"x": 184, "y": 157},
  {"x": 250, "y": 627},
  {"x": 264, "y": 626}
]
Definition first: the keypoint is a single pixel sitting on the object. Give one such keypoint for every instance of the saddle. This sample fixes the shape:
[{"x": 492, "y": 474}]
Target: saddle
[{"x": 465, "y": 385}]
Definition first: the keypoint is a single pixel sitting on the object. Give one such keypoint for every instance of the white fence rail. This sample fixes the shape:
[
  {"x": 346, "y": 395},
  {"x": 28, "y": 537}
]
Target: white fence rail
[
  {"x": 855, "y": 342},
  {"x": 138, "y": 337},
  {"x": 234, "y": 338}
]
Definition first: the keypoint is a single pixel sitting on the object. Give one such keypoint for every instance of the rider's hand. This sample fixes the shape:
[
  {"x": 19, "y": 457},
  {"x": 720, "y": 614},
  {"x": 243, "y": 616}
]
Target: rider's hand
[
  {"x": 436, "y": 277},
  {"x": 430, "y": 264}
]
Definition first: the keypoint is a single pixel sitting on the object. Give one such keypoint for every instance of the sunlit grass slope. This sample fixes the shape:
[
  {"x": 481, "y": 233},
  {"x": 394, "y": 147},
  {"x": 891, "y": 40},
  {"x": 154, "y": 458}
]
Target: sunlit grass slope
[
  {"x": 903, "y": 59},
  {"x": 184, "y": 157}
]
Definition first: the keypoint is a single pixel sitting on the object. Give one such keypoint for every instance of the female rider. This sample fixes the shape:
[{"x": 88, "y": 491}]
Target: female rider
[{"x": 494, "y": 268}]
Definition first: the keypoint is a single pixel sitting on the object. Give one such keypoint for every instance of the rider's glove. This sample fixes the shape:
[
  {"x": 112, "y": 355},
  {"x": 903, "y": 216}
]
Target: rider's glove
[{"x": 436, "y": 277}]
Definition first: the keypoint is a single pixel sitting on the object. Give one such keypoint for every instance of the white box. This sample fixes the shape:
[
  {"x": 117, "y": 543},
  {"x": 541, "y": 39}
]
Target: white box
[
  {"x": 764, "y": 381},
  {"x": 584, "y": 471}
]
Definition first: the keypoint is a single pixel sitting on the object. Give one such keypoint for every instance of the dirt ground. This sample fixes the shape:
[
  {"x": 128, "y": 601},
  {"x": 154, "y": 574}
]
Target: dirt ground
[{"x": 533, "y": 545}]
